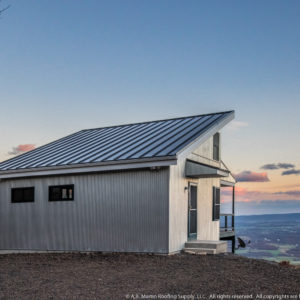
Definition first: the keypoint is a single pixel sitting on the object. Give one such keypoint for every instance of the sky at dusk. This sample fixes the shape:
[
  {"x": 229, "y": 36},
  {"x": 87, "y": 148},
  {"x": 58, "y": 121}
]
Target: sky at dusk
[{"x": 71, "y": 65}]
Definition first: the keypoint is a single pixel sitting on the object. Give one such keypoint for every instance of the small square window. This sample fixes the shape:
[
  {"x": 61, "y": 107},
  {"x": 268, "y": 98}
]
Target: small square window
[
  {"x": 61, "y": 193},
  {"x": 20, "y": 195}
]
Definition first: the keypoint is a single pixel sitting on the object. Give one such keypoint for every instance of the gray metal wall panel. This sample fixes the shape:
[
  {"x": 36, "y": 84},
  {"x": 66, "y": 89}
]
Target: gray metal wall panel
[{"x": 117, "y": 211}]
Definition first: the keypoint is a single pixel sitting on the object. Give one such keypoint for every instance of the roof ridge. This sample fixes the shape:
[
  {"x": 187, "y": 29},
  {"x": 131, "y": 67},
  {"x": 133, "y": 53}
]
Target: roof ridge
[{"x": 162, "y": 120}]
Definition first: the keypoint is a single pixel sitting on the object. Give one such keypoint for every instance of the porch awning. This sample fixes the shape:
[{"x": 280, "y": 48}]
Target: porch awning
[
  {"x": 194, "y": 169},
  {"x": 225, "y": 183}
]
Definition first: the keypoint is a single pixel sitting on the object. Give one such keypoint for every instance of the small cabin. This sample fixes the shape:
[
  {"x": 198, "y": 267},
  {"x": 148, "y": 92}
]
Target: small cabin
[{"x": 146, "y": 187}]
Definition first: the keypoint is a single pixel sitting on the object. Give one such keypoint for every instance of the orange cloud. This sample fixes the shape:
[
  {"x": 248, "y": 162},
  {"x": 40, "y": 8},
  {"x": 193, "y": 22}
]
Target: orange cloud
[
  {"x": 239, "y": 191},
  {"x": 244, "y": 195},
  {"x": 21, "y": 149},
  {"x": 249, "y": 176}
]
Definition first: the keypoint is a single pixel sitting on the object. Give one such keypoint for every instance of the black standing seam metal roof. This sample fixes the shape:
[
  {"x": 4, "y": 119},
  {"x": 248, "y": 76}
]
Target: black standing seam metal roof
[{"x": 152, "y": 139}]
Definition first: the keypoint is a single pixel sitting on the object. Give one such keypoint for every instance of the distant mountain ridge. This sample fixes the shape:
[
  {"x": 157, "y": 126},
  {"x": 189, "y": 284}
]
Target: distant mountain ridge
[{"x": 270, "y": 215}]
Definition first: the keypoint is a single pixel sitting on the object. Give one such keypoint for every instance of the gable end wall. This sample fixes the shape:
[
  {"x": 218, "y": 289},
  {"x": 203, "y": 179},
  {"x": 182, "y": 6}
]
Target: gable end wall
[{"x": 178, "y": 202}]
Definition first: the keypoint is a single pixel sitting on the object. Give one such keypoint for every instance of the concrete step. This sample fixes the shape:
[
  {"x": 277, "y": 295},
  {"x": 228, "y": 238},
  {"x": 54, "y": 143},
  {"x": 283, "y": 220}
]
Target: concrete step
[
  {"x": 203, "y": 251},
  {"x": 217, "y": 246}
]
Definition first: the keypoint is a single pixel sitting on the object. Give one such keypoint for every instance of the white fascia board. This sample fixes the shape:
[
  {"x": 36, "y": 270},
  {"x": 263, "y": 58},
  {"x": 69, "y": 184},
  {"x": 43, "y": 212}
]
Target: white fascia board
[
  {"x": 183, "y": 153},
  {"x": 88, "y": 168}
]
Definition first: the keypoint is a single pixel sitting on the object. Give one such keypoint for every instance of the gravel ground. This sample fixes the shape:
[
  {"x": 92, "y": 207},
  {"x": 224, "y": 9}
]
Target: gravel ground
[{"x": 134, "y": 276}]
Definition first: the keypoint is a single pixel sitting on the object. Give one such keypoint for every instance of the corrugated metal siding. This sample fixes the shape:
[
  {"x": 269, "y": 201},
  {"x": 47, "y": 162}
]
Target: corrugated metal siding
[
  {"x": 121, "y": 211},
  {"x": 134, "y": 141}
]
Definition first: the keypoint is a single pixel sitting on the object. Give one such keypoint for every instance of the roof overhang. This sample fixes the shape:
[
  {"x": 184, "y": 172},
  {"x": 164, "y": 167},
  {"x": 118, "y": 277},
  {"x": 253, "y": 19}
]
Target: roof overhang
[
  {"x": 206, "y": 135},
  {"x": 90, "y": 168},
  {"x": 194, "y": 169}
]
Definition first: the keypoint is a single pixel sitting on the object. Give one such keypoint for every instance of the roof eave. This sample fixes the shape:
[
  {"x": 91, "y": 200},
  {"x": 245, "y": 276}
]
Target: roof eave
[{"x": 90, "y": 167}]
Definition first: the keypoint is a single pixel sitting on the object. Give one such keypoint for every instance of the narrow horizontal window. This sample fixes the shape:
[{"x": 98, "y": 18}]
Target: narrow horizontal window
[
  {"x": 20, "y": 195},
  {"x": 61, "y": 193}
]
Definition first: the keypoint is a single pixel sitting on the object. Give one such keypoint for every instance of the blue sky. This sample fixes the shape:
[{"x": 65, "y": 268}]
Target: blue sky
[{"x": 69, "y": 65}]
